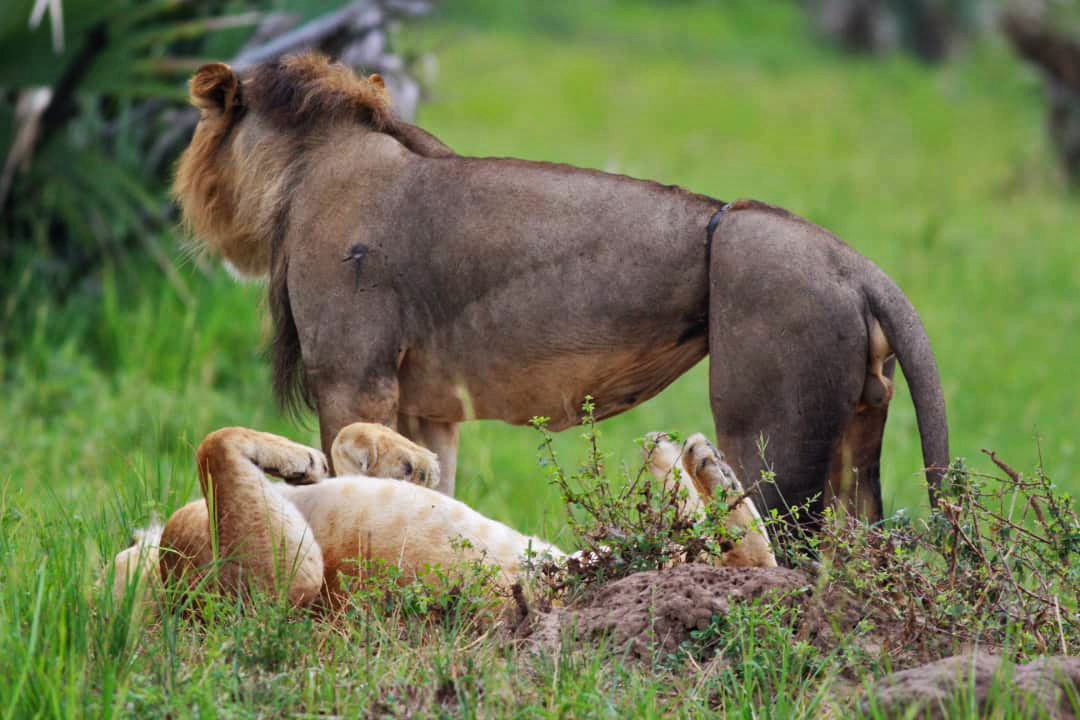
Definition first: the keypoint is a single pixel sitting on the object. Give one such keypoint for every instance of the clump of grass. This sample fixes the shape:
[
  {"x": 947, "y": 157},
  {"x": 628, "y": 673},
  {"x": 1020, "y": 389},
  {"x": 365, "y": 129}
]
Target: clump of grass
[
  {"x": 754, "y": 658},
  {"x": 996, "y": 564}
]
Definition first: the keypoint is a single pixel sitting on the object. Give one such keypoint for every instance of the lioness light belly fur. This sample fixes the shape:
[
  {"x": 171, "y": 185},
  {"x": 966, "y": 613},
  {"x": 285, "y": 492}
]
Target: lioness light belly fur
[{"x": 412, "y": 527}]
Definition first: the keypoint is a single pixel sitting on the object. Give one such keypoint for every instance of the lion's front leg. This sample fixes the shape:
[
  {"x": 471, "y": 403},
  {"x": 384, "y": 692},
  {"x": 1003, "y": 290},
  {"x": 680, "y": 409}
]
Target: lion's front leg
[
  {"x": 439, "y": 437},
  {"x": 263, "y": 538}
]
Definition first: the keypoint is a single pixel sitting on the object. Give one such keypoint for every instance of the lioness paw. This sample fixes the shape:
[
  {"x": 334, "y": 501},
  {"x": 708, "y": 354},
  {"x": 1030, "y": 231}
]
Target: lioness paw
[
  {"x": 315, "y": 468},
  {"x": 377, "y": 451},
  {"x": 707, "y": 467},
  {"x": 661, "y": 453},
  {"x": 419, "y": 468},
  {"x": 294, "y": 463}
]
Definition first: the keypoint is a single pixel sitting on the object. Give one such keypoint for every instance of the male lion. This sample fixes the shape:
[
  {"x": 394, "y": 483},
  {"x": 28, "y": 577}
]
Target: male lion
[
  {"x": 298, "y": 537},
  {"x": 417, "y": 288}
]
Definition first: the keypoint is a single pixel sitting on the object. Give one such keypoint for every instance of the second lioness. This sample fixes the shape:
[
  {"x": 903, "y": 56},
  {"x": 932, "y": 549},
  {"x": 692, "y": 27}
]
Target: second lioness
[
  {"x": 417, "y": 288},
  {"x": 299, "y": 537}
]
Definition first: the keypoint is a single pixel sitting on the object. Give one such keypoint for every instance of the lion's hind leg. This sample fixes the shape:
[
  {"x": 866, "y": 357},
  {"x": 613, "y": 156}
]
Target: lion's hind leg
[
  {"x": 186, "y": 554},
  {"x": 263, "y": 538},
  {"x": 711, "y": 474}
]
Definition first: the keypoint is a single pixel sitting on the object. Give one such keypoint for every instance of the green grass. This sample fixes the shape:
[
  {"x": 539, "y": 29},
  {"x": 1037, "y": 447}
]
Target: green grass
[{"x": 941, "y": 175}]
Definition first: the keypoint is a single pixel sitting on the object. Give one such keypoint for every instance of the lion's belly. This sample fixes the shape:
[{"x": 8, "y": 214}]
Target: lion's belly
[{"x": 520, "y": 384}]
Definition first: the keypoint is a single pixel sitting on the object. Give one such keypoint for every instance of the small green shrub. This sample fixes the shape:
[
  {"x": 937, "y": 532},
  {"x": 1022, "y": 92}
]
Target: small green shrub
[
  {"x": 633, "y": 523},
  {"x": 997, "y": 564},
  {"x": 630, "y": 526}
]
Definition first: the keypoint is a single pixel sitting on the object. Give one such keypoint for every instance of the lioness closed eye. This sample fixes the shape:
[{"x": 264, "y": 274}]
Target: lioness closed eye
[{"x": 299, "y": 535}]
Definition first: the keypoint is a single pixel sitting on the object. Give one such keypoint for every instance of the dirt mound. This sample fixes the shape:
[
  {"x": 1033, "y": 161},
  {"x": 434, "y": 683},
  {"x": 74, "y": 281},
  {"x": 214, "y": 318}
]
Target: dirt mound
[
  {"x": 651, "y": 613},
  {"x": 1039, "y": 689}
]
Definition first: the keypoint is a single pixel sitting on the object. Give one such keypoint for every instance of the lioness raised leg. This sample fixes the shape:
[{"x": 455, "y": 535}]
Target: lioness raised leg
[
  {"x": 264, "y": 538},
  {"x": 710, "y": 472},
  {"x": 297, "y": 538},
  {"x": 701, "y": 471}
]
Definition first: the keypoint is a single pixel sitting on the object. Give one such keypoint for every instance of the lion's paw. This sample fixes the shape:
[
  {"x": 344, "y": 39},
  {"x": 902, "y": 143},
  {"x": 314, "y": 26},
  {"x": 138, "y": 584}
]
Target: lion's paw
[
  {"x": 294, "y": 463},
  {"x": 707, "y": 466},
  {"x": 377, "y": 451},
  {"x": 661, "y": 453}
]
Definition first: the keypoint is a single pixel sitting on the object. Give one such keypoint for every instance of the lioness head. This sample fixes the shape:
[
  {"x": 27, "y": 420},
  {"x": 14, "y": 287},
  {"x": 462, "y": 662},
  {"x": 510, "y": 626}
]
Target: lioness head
[{"x": 231, "y": 180}]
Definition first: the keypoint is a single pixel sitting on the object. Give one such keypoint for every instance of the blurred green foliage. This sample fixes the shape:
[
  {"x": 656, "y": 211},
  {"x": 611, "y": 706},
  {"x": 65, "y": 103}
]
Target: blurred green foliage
[
  {"x": 929, "y": 29},
  {"x": 92, "y": 183}
]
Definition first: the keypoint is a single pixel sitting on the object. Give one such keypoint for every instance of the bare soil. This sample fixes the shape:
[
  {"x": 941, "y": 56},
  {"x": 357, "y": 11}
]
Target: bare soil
[{"x": 649, "y": 614}]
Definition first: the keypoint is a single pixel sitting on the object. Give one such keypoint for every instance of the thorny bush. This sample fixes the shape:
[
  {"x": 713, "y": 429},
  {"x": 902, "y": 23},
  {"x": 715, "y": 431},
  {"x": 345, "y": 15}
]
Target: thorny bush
[
  {"x": 631, "y": 525},
  {"x": 996, "y": 563}
]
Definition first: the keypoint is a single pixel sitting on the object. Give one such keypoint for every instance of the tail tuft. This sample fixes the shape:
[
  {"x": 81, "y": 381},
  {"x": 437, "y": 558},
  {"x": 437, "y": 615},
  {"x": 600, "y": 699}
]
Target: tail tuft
[
  {"x": 148, "y": 536},
  {"x": 138, "y": 564}
]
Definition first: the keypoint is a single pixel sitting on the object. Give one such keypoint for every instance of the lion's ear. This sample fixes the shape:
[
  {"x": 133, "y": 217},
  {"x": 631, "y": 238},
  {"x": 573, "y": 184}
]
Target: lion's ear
[
  {"x": 380, "y": 86},
  {"x": 215, "y": 86}
]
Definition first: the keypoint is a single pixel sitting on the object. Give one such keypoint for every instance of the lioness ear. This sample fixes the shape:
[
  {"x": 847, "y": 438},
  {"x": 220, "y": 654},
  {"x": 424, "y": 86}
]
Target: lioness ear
[{"x": 215, "y": 86}]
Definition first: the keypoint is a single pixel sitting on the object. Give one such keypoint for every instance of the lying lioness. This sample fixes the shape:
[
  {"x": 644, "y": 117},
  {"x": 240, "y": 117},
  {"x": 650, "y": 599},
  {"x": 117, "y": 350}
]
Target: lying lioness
[{"x": 298, "y": 535}]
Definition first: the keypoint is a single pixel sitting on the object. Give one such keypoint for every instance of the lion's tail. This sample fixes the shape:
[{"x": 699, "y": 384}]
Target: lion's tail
[{"x": 907, "y": 337}]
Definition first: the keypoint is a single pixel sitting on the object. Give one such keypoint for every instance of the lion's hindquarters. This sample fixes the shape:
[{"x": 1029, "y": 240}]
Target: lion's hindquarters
[{"x": 788, "y": 347}]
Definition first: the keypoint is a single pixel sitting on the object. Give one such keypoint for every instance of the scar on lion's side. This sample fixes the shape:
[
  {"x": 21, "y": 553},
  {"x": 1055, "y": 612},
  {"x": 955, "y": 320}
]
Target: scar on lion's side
[{"x": 296, "y": 537}]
